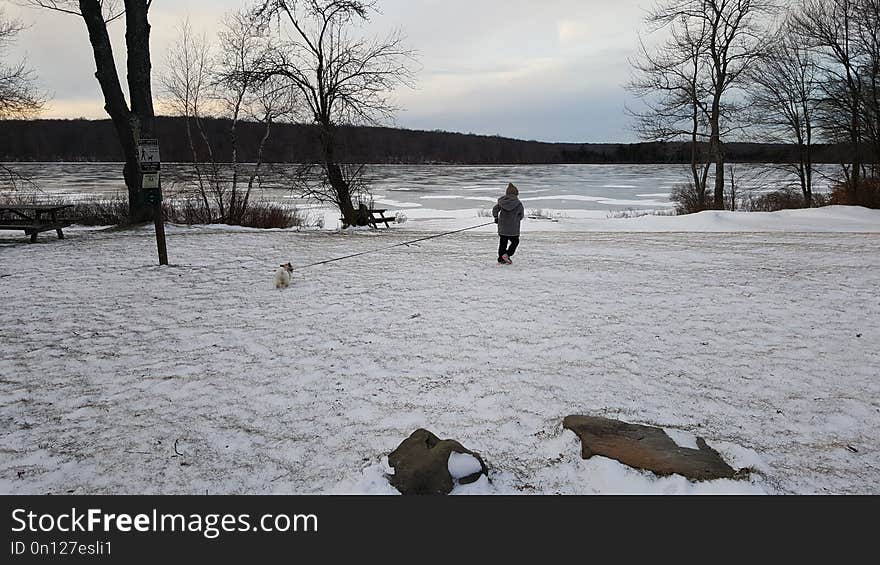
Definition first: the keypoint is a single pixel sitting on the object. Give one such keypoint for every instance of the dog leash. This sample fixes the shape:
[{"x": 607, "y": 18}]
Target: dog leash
[{"x": 393, "y": 246}]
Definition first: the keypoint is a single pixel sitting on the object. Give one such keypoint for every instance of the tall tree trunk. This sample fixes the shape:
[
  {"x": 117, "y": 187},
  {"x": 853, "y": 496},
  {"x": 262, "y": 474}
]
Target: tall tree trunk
[
  {"x": 266, "y": 133},
  {"x": 137, "y": 41},
  {"x": 133, "y": 123},
  {"x": 114, "y": 102},
  {"x": 801, "y": 166},
  {"x": 334, "y": 175},
  {"x": 807, "y": 160},
  {"x": 808, "y": 150},
  {"x": 732, "y": 189},
  {"x": 699, "y": 184},
  {"x": 717, "y": 152},
  {"x": 234, "y": 214},
  {"x": 198, "y": 168},
  {"x": 855, "y": 139},
  {"x": 853, "y": 85}
]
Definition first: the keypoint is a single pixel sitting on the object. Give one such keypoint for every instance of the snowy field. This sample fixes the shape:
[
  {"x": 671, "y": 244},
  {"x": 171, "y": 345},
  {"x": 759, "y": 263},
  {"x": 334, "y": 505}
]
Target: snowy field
[{"x": 118, "y": 376}]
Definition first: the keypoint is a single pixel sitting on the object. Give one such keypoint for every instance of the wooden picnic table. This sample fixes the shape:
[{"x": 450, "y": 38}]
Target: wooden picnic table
[
  {"x": 375, "y": 217},
  {"x": 33, "y": 218},
  {"x": 374, "y": 220}
]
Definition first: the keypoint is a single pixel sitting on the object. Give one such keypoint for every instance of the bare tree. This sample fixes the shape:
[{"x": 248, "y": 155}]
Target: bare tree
[
  {"x": 232, "y": 85},
  {"x": 668, "y": 80},
  {"x": 19, "y": 96},
  {"x": 133, "y": 118},
  {"x": 831, "y": 28},
  {"x": 868, "y": 25},
  {"x": 185, "y": 79},
  {"x": 733, "y": 193},
  {"x": 342, "y": 79},
  {"x": 731, "y": 36},
  {"x": 783, "y": 94},
  {"x": 247, "y": 91}
]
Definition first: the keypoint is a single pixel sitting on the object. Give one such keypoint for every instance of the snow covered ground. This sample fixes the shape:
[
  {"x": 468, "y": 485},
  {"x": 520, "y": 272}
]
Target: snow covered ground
[{"x": 118, "y": 376}]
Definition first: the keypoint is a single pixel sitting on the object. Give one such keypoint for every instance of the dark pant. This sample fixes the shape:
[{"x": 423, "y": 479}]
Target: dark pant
[{"x": 503, "y": 249}]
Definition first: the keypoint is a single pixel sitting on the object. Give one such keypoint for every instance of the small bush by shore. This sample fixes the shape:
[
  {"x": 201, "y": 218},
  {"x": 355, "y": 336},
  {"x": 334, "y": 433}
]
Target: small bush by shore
[
  {"x": 542, "y": 214},
  {"x": 784, "y": 199},
  {"x": 868, "y": 194},
  {"x": 114, "y": 211},
  {"x": 188, "y": 212},
  {"x": 269, "y": 215},
  {"x": 688, "y": 199},
  {"x": 629, "y": 213},
  {"x": 111, "y": 212}
]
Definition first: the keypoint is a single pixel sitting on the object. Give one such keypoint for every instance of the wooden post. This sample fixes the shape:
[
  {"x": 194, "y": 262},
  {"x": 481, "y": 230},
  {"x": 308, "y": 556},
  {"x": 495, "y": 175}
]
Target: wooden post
[
  {"x": 151, "y": 186},
  {"x": 159, "y": 222}
]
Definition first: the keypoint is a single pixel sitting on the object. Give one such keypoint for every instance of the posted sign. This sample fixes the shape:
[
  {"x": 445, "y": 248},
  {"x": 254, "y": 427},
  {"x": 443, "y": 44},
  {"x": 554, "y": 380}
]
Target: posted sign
[
  {"x": 149, "y": 162},
  {"x": 148, "y": 155},
  {"x": 151, "y": 181}
]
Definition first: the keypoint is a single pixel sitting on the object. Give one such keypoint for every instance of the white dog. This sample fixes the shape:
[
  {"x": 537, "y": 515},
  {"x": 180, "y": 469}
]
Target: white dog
[{"x": 282, "y": 275}]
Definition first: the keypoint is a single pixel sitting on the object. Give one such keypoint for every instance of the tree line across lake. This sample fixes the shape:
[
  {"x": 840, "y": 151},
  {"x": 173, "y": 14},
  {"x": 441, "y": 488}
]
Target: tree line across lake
[{"x": 95, "y": 141}]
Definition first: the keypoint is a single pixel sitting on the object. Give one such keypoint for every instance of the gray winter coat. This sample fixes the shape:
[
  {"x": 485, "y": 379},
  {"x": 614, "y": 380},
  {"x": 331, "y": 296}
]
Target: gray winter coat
[{"x": 508, "y": 213}]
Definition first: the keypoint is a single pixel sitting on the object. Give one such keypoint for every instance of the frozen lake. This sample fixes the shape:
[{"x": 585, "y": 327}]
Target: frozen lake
[{"x": 446, "y": 187}]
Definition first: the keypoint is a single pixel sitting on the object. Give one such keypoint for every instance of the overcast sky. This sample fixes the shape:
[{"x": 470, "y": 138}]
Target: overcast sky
[{"x": 551, "y": 70}]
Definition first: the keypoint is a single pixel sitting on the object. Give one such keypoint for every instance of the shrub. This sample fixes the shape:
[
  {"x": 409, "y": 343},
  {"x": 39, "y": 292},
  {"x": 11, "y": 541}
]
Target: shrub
[
  {"x": 271, "y": 215},
  {"x": 177, "y": 210},
  {"x": 541, "y": 214},
  {"x": 868, "y": 196},
  {"x": 789, "y": 198},
  {"x": 189, "y": 210},
  {"x": 629, "y": 213},
  {"x": 784, "y": 199},
  {"x": 109, "y": 212},
  {"x": 688, "y": 199},
  {"x": 15, "y": 197},
  {"x": 821, "y": 199}
]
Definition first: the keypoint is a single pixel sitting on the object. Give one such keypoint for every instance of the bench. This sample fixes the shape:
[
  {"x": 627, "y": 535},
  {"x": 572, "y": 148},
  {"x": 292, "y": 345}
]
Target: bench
[
  {"x": 32, "y": 220},
  {"x": 376, "y": 216},
  {"x": 374, "y": 221}
]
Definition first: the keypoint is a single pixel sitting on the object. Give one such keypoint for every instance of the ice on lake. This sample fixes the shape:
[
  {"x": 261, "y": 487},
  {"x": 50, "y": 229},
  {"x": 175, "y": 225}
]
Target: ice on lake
[{"x": 445, "y": 187}]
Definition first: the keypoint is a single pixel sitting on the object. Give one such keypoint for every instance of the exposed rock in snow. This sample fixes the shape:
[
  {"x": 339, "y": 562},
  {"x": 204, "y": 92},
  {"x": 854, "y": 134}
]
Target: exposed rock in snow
[
  {"x": 647, "y": 447},
  {"x": 424, "y": 464}
]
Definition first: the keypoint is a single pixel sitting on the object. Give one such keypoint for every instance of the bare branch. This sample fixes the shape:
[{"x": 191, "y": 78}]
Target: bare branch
[
  {"x": 109, "y": 8},
  {"x": 19, "y": 96}
]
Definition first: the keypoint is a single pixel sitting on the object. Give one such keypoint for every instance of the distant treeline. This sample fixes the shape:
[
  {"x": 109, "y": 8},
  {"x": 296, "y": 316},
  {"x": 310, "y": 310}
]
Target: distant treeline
[{"x": 95, "y": 140}]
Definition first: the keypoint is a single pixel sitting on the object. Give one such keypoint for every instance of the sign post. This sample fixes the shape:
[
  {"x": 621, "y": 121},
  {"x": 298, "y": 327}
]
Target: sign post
[{"x": 151, "y": 184}]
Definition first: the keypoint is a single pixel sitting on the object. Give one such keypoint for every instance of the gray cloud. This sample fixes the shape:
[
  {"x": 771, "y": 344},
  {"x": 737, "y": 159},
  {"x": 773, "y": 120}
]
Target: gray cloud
[{"x": 549, "y": 70}]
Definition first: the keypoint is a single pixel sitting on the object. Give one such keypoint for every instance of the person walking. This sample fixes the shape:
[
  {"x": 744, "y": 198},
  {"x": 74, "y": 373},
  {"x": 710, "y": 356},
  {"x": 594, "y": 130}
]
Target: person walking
[{"x": 508, "y": 214}]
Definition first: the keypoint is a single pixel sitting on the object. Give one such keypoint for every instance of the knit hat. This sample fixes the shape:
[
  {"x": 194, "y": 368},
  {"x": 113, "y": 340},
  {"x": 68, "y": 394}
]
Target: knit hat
[{"x": 512, "y": 190}]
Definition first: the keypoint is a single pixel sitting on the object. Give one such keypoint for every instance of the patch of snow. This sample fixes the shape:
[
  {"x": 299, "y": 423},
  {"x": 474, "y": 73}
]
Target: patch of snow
[
  {"x": 682, "y": 438},
  {"x": 740, "y": 457},
  {"x": 481, "y": 486},
  {"x": 462, "y": 465},
  {"x": 372, "y": 480},
  {"x": 830, "y": 219},
  {"x": 385, "y": 201}
]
